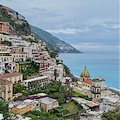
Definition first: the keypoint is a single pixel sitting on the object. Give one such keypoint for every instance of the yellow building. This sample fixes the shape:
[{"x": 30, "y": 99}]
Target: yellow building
[
  {"x": 86, "y": 91},
  {"x": 19, "y": 108},
  {"x": 7, "y": 58},
  {"x": 88, "y": 83},
  {"x": 19, "y": 56},
  {"x": 6, "y": 90},
  {"x": 83, "y": 87},
  {"x": 15, "y": 78},
  {"x": 5, "y": 54}
]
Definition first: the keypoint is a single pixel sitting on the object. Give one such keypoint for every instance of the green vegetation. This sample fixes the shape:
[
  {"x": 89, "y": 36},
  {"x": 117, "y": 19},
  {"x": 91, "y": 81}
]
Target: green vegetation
[
  {"x": 82, "y": 96},
  {"x": 54, "y": 89},
  {"x": 17, "y": 88},
  {"x": 112, "y": 114},
  {"x": 51, "y": 41},
  {"x": 5, "y": 17},
  {"x": 74, "y": 79},
  {"x": 71, "y": 107},
  {"x": 52, "y": 53},
  {"x": 58, "y": 91},
  {"x": 39, "y": 115},
  {"x": 78, "y": 94},
  {"x": 6, "y": 43},
  {"x": 29, "y": 69},
  {"x": 79, "y": 105},
  {"x": 23, "y": 28},
  {"x": 67, "y": 71},
  {"x": 4, "y": 109}
]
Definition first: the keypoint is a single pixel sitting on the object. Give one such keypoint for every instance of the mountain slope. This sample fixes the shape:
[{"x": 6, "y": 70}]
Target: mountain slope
[
  {"x": 17, "y": 23},
  {"x": 52, "y": 41}
]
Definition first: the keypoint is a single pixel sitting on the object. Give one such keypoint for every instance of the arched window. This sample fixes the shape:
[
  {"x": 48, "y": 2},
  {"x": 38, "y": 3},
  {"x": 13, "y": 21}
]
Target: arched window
[{"x": 97, "y": 90}]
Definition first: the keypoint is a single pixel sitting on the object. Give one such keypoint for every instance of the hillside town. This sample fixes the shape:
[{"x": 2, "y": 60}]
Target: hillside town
[{"x": 33, "y": 79}]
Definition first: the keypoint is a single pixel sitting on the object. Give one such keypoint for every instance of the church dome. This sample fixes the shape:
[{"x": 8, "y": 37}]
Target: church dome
[{"x": 85, "y": 73}]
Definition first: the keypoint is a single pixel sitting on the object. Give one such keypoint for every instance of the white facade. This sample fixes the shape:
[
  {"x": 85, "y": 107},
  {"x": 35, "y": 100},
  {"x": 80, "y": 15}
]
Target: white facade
[
  {"x": 1, "y": 37},
  {"x": 32, "y": 52},
  {"x": 2, "y": 67},
  {"x": 35, "y": 103},
  {"x": 98, "y": 87},
  {"x": 36, "y": 83},
  {"x": 60, "y": 70},
  {"x": 109, "y": 103},
  {"x": 16, "y": 40},
  {"x": 1, "y": 117},
  {"x": 20, "y": 56}
]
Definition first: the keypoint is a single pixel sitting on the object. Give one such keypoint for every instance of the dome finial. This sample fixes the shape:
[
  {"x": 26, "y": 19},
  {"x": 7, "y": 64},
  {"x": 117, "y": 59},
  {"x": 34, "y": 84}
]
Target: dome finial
[{"x": 85, "y": 67}]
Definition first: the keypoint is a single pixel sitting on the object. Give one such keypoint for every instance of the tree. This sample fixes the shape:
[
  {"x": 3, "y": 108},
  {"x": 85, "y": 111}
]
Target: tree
[
  {"x": 61, "y": 100},
  {"x": 112, "y": 114},
  {"x": 17, "y": 88},
  {"x": 4, "y": 109}
]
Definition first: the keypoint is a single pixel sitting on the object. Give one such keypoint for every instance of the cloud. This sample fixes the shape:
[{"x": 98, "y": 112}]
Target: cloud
[
  {"x": 74, "y": 21},
  {"x": 115, "y": 26},
  {"x": 96, "y": 47},
  {"x": 68, "y": 30}
]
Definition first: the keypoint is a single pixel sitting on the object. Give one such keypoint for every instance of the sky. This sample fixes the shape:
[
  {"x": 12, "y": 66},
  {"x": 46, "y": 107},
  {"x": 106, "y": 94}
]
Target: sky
[{"x": 88, "y": 25}]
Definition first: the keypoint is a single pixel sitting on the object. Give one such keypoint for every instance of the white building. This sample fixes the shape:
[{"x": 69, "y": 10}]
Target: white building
[
  {"x": 98, "y": 87},
  {"x": 7, "y": 58},
  {"x": 32, "y": 52},
  {"x": 19, "y": 56},
  {"x": 2, "y": 67},
  {"x": 59, "y": 69},
  {"x": 1, "y": 117},
  {"x": 109, "y": 103},
  {"x": 35, "y": 103},
  {"x": 36, "y": 83},
  {"x": 1, "y": 37},
  {"x": 16, "y": 40}
]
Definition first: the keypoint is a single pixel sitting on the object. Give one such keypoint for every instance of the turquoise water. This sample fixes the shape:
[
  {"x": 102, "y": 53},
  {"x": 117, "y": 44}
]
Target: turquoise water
[{"x": 98, "y": 64}]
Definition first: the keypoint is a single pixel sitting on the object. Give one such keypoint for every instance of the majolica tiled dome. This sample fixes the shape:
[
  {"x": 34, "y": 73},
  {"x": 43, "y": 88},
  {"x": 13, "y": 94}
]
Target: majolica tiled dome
[{"x": 85, "y": 73}]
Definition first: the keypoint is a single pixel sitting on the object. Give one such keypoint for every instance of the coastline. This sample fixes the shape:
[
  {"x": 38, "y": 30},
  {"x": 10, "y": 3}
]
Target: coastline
[
  {"x": 102, "y": 64},
  {"x": 111, "y": 88}
]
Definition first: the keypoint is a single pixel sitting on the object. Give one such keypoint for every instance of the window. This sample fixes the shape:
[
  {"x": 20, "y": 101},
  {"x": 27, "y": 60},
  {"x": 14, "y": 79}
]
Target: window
[
  {"x": 15, "y": 110},
  {"x": 97, "y": 90}
]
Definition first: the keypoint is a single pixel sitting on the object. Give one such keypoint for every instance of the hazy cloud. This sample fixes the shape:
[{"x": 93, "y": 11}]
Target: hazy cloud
[
  {"x": 75, "y": 21},
  {"x": 96, "y": 47},
  {"x": 68, "y": 30}
]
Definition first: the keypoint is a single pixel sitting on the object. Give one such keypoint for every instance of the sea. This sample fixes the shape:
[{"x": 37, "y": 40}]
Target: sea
[{"x": 99, "y": 64}]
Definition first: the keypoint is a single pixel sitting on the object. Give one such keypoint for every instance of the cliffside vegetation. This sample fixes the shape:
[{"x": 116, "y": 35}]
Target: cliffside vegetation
[
  {"x": 53, "y": 42},
  {"x": 19, "y": 26}
]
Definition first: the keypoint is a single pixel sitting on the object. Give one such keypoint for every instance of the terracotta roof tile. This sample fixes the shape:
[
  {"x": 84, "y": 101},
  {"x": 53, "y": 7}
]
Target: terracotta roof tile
[
  {"x": 12, "y": 52},
  {"x": 22, "y": 53},
  {"x": 5, "y": 82},
  {"x": 8, "y": 75},
  {"x": 18, "y": 52},
  {"x": 2, "y": 45},
  {"x": 88, "y": 81}
]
